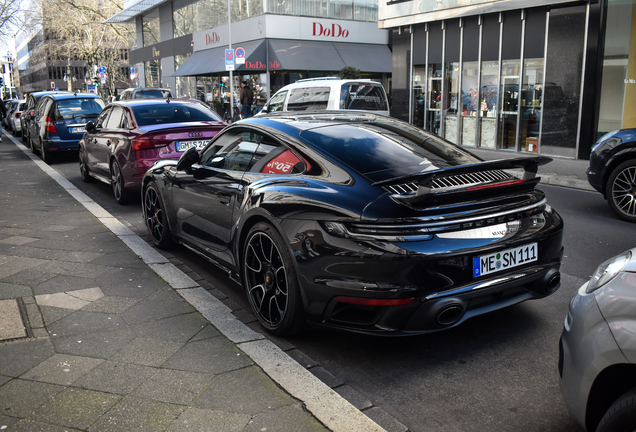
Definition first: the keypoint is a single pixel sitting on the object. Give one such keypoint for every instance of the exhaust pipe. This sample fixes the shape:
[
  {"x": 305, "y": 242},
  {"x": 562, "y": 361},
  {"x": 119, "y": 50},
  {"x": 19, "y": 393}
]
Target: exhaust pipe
[
  {"x": 449, "y": 314},
  {"x": 554, "y": 282}
]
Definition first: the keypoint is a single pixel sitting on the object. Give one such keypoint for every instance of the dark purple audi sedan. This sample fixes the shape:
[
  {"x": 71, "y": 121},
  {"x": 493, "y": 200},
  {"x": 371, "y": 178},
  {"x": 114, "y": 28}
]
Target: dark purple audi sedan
[{"x": 128, "y": 137}]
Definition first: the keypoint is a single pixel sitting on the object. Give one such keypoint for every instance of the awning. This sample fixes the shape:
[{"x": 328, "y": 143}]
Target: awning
[
  {"x": 213, "y": 60},
  {"x": 201, "y": 63},
  {"x": 328, "y": 56},
  {"x": 366, "y": 57},
  {"x": 303, "y": 55}
]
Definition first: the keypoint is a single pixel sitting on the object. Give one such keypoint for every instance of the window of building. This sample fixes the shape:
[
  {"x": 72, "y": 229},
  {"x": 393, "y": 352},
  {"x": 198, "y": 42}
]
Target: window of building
[
  {"x": 151, "y": 28},
  {"x": 152, "y": 71}
]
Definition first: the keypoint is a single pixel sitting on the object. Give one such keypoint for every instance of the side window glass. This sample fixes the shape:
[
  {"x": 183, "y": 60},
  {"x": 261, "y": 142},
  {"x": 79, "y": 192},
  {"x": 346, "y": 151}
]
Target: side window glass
[
  {"x": 272, "y": 157},
  {"x": 297, "y": 100},
  {"x": 114, "y": 121},
  {"x": 231, "y": 151},
  {"x": 46, "y": 107},
  {"x": 277, "y": 101},
  {"x": 101, "y": 119},
  {"x": 317, "y": 98}
]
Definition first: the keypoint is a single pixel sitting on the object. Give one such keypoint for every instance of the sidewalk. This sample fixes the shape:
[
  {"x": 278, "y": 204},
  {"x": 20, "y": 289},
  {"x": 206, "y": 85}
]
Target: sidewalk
[{"x": 118, "y": 338}]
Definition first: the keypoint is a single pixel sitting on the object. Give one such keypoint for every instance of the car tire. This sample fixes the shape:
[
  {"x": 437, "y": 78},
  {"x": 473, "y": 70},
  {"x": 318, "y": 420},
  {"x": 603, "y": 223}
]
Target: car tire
[
  {"x": 621, "y": 190},
  {"x": 155, "y": 216},
  {"x": 45, "y": 155},
  {"x": 621, "y": 416},
  {"x": 122, "y": 196},
  {"x": 271, "y": 283},
  {"x": 83, "y": 166}
]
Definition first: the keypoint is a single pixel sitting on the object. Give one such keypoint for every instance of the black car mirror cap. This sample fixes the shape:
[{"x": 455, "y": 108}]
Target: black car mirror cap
[
  {"x": 187, "y": 159},
  {"x": 90, "y": 126}
]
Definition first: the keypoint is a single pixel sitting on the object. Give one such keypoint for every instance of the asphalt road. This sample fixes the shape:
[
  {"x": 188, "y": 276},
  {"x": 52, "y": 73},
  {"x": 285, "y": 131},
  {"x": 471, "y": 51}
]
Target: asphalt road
[{"x": 495, "y": 372}]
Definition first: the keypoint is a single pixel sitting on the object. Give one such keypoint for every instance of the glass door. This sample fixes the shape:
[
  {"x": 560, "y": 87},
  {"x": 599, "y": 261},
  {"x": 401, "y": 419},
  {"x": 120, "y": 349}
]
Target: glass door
[
  {"x": 433, "y": 119},
  {"x": 451, "y": 101},
  {"x": 419, "y": 97},
  {"x": 530, "y": 109},
  {"x": 470, "y": 104},
  {"x": 509, "y": 96},
  {"x": 488, "y": 104}
]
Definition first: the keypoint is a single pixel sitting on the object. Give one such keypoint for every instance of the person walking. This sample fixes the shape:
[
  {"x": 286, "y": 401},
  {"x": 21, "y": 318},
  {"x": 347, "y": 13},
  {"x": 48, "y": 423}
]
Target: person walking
[
  {"x": 247, "y": 97},
  {"x": 260, "y": 99}
]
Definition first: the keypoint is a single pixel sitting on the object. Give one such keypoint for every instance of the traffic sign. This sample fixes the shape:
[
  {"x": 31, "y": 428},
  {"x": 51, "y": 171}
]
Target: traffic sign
[
  {"x": 101, "y": 69},
  {"x": 57, "y": 89},
  {"x": 240, "y": 56},
  {"x": 102, "y": 75},
  {"x": 132, "y": 69},
  {"x": 229, "y": 59},
  {"x": 133, "y": 76},
  {"x": 90, "y": 88}
]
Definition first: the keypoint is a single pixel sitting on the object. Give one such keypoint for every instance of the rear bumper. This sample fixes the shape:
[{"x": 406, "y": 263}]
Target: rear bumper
[
  {"x": 436, "y": 274},
  {"x": 58, "y": 145}
]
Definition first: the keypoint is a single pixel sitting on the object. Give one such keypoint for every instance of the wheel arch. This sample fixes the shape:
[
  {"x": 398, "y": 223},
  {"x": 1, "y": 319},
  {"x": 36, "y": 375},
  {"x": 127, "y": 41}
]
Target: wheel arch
[
  {"x": 608, "y": 386},
  {"x": 614, "y": 161}
]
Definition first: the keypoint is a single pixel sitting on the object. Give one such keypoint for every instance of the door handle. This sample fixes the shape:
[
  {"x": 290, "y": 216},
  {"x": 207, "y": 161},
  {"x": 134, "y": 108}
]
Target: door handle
[{"x": 108, "y": 142}]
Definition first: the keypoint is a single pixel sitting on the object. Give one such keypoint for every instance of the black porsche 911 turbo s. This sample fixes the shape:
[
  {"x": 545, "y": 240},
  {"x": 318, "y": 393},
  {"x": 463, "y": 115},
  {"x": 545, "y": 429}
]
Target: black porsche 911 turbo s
[{"x": 358, "y": 222}]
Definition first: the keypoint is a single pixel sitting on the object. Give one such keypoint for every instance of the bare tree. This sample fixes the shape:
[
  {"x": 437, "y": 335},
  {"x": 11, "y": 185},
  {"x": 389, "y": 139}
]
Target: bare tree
[
  {"x": 75, "y": 29},
  {"x": 13, "y": 15}
]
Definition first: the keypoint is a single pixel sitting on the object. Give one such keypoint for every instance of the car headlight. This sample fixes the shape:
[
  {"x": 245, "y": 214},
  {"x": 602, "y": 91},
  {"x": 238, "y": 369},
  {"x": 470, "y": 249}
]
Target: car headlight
[{"x": 608, "y": 271}]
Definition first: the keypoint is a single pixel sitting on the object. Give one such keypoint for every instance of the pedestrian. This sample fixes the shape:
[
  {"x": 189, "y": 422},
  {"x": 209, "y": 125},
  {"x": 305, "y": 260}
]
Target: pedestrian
[
  {"x": 260, "y": 98},
  {"x": 3, "y": 112},
  {"x": 247, "y": 97}
]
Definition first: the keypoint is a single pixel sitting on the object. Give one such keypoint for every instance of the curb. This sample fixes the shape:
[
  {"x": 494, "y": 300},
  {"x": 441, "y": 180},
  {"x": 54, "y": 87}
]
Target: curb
[{"x": 331, "y": 409}]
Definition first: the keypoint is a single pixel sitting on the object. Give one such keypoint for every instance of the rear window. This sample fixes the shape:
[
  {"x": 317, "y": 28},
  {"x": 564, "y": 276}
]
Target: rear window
[
  {"x": 308, "y": 99},
  {"x": 373, "y": 148},
  {"x": 78, "y": 107},
  {"x": 172, "y": 113},
  {"x": 363, "y": 97},
  {"x": 152, "y": 94}
]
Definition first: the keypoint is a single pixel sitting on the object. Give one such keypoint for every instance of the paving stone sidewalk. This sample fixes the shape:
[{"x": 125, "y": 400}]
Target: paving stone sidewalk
[{"x": 110, "y": 345}]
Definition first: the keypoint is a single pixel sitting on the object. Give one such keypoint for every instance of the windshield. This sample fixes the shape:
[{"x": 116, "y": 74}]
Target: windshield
[
  {"x": 153, "y": 94},
  {"x": 363, "y": 97},
  {"x": 173, "y": 113},
  {"x": 78, "y": 107}
]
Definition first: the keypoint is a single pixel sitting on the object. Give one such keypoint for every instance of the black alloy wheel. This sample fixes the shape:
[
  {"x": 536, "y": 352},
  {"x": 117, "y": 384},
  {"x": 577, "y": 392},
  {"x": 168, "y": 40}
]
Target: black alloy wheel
[
  {"x": 83, "y": 166},
  {"x": 46, "y": 156},
  {"x": 271, "y": 283},
  {"x": 621, "y": 191},
  {"x": 117, "y": 181},
  {"x": 155, "y": 217}
]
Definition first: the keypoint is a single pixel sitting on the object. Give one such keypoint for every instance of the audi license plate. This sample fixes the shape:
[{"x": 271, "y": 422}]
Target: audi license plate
[
  {"x": 78, "y": 130},
  {"x": 184, "y": 145},
  {"x": 503, "y": 260}
]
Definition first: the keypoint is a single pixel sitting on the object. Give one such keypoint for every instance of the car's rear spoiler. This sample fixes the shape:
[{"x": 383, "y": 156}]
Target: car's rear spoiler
[{"x": 425, "y": 180}]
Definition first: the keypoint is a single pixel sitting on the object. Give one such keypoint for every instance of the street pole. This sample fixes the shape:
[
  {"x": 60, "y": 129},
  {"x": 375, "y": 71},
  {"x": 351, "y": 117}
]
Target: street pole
[
  {"x": 229, "y": 30},
  {"x": 69, "y": 77}
]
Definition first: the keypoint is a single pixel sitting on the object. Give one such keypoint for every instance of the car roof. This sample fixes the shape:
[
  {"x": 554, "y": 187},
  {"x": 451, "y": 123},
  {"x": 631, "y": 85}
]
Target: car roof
[
  {"x": 147, "y": 88},
  {"x": 329, "y": 81},
  {"x": 47, "y": 92},
  {"x": 155, "y": 101},
  {"x": 61, "y": 96}
]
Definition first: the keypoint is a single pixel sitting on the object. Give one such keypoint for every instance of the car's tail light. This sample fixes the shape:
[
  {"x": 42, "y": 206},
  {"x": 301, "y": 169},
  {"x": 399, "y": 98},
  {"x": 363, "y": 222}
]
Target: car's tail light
[
  {"x": 17, "y": 115},
  {"x": 32, "y": 112},
  {"x": 149, "y": 143},
  {"x": 49, "y": 126}
]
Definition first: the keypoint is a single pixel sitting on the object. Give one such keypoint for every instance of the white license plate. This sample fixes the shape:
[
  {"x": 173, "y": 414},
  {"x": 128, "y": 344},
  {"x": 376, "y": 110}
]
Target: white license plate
[
  {"x": 78, "y": 130},
  {"x": 184, "y": 145},
  {"x": 503, "y": 260}
]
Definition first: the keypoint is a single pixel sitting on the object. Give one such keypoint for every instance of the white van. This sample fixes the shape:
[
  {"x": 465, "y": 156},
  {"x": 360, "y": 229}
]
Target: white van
[{"x": 332, "y": 93}]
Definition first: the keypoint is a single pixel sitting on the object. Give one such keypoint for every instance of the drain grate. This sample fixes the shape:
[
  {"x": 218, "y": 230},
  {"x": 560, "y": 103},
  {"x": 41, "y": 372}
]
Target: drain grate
[{"x": 11, "y": 321}]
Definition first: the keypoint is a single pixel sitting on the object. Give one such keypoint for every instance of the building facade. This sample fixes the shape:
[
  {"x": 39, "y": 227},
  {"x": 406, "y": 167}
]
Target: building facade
[
  {"x": 536, "y": 76},
  {"x": 181, "y": 44},
  {"x": 7, "y": 85}
]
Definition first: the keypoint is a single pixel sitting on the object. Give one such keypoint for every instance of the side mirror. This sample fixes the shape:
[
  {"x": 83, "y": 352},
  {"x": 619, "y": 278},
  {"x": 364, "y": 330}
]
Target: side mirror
[
  {"x": 90, "y": 126},
  {"x": 187, "y": 159}
]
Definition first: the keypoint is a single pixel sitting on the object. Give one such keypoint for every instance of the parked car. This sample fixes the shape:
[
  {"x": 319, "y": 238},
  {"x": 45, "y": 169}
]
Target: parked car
[
  {"x": 27, "y": 117},
  {"x": 612, "y": 171},
  {"x": 145, "y": 93},
  {"x": 418, "y": 235},
  {"x": 59, "y": 122},
  {"x": 597, "y": 355},
  {"x": 128, "y": 137},
  {"x": 8, "y": 103},
  {"x": 14, "y": 116},
  {"x": 329, "y": 93}
]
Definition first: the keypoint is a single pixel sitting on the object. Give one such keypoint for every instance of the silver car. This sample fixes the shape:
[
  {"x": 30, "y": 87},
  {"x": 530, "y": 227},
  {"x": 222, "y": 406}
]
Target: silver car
[{"x": 597, "y": 355}]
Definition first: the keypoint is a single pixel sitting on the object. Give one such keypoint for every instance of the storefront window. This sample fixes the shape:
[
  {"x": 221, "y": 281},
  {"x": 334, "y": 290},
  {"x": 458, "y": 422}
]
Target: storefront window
[
  {"x": 451, "y": 101},
  {"x": 509, "y": 92},
  {"x": 419, "y": 75},
  {"x": 532, "y": 89},
  {"x": 186, "y": 87},
  {"x": 152, "y": 70},
  {"x": 191, "y": 16},
  {"x": 151, "y": 28},
  {"x": 470, "y": 103},
  {"x": 433, "y": 118},
  {"x": 618, "y": 89},
  {"x": 488, "y": 100}
]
